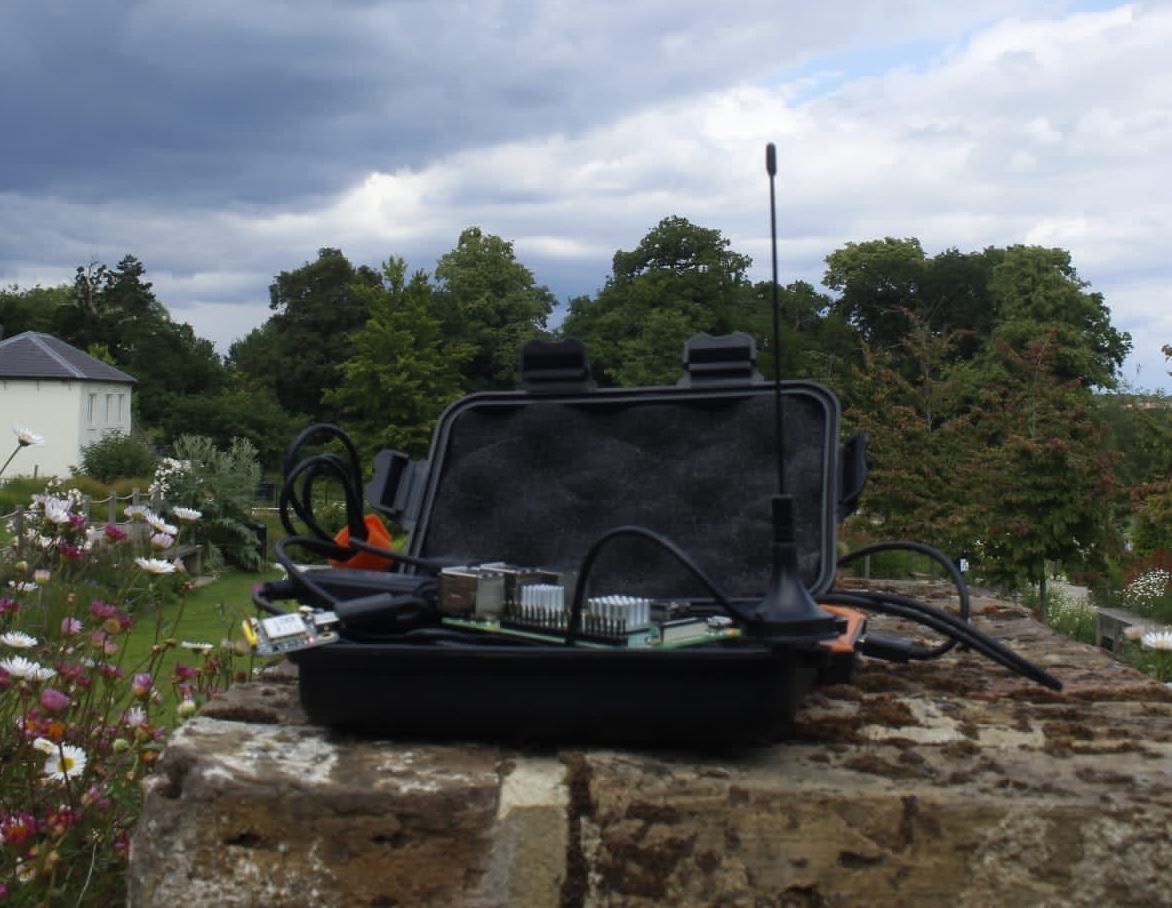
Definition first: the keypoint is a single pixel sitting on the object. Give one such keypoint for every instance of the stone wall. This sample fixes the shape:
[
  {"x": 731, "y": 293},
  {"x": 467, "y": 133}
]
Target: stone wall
[{"x": 945, "y": 783}]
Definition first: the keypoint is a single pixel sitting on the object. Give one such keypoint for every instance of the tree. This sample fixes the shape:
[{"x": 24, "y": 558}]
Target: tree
[
  {"x": 492, "y": 303},
  {"x": 115, "y": 312},
  {"x": 30, "y": 310},
  {"x": 1041, "y": 297},
  {"x": 922, "y": 440},
  {"x": 403, "y": 369},
  {"x": 238, "y": 411},
  {"x": 878, "y": 283},
  {"x": 1045, "y": 484},
  {"x": 299, "y": 350},
  {"x": 815, "y": 342},
  {"x": 680, "y": 280}
]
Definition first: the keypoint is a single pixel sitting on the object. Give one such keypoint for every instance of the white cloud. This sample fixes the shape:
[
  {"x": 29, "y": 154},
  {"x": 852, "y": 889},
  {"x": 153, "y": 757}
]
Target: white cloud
[{"x": 1040, "y": 128}]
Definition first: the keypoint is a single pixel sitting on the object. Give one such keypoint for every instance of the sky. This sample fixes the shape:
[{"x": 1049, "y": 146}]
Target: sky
[{"x": 222, "y": 142}]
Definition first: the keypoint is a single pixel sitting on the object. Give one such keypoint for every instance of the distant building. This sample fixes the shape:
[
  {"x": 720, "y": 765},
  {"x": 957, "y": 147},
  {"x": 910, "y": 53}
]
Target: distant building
[{"x": 62, "y": 394}]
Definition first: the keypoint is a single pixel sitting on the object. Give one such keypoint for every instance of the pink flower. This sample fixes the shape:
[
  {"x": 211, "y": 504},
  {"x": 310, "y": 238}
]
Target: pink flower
[
  {"x": 184, "y": 672},
  {"x": 54, "y": 701},
  {"x": 114, "y": 533},
  {"x": 70, "y": 626},
  {"x": 162, "y": 541},
  {"x": 69, "y": 552},
  {"x": 105, "y": 642},
  {"x": 102, "y": 610},
  {"x": 111, "y": 672},
  {"x": 8, "y": 605},
  {"x": 141, "y": 685},
  {"x": 18, "y": 828},
  {"x": 77, "y": 521}
]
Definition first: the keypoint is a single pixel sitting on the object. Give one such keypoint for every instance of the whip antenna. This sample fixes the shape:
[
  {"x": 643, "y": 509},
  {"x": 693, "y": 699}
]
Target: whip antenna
[{"x": 788, "y": 614}]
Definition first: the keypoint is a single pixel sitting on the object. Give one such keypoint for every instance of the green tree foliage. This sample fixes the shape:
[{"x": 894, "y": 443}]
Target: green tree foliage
[
  {"x": 30, "y": 310},
  {"x": 1046, "y": 482},
  {"x": 403, "y": 369},
  {"x": 299, "y": 350},
  {"x": 115, "y": 311},
  {"x": 116, "y": 456},
  {"x": 237, "y": 411},
  {"x": 921, "y": 442},
  {"x": 878, "y": 284},
  {"x": 680, "y": 280},
  {"x": 493, "y": 303},
  {"x": 1040, "y": 297},
  {"x": 815, "y": 341}
]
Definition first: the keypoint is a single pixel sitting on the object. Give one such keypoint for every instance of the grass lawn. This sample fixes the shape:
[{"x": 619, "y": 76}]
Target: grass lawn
[{"x": 211, "y": 614}]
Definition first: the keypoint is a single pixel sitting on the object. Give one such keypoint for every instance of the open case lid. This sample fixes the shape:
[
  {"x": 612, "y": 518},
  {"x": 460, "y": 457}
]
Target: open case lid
[{"x": 533, "y": 477}]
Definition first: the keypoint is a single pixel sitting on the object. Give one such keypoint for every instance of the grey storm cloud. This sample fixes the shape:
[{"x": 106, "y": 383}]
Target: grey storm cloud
[{"x": 252, "y": 103}]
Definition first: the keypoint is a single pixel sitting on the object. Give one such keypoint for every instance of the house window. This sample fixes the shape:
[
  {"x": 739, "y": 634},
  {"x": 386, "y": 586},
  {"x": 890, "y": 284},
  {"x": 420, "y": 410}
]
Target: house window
[
  {"x": 93, "y": 406},
  {"x": 109, "y": 408},
  {"x": 120, "y": 398}
]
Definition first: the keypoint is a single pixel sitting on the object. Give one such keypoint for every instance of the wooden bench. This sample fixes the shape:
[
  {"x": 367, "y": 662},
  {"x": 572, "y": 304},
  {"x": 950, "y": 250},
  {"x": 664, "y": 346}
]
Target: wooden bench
[{"x": 1111, "y": 625}]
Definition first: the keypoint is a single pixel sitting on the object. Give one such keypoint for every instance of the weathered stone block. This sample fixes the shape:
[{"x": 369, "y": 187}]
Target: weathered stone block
[{"x": 945, "y": 783}]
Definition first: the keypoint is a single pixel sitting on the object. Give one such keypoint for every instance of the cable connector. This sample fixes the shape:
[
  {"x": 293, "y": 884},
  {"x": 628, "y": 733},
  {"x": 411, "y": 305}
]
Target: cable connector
[{"x": 890, "y": 647}]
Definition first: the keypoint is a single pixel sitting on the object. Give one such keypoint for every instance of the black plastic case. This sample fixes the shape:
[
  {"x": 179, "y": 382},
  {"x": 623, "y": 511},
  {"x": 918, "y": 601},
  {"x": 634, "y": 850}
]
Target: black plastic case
[{"x": 532, "y": 478}]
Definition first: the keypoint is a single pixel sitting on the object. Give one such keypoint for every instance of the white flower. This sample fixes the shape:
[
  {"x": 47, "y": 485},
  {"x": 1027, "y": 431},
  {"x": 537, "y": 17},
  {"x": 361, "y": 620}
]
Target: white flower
[
  {"x": 56, "y": 510},
  {"x": 136, "y": 510},
  {"x": 23, "y": 586},
  {"x": 20, "y": 667},
  {"x": 44, "y": 745},
  {"x": 67, "y": 763},
  {"x": 1157, "y": 640},
  {"x": 186, "y": 707},
  {"x": 134, "y": 717},
  {"x": 26, "y": 871},
  {"x": 198, "y": 647},
  {"x": 159, "y": 525},
  {"x": 1135, "y": 632},
  {"x": 27, "y": 437},
  {"x": 18, "y": 640},
  {"x": 186, "y": 513},
  {"x": 162, "y": 541},
  {"x": 155, "y": 565}
]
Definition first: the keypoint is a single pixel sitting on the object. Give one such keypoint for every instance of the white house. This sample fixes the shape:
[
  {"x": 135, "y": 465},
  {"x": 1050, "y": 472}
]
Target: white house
[{"x": 66, "y": 396}]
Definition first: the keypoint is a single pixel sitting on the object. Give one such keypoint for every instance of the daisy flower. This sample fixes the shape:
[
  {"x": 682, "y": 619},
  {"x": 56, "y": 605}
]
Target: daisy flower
[
  {"x": 56, "y": 510},
  {"x": 155, "y": 565},
  {"x": 26, "y": 437},
  {"x": 162, "y": 541},
  {"x": 159, "y": 525},
  {"x": 186, "y": 514},
  {"x": 18, "y": 640},
  {"x": 136, "y": 510},
  {"x": 20, "y": 667},
  {"x": 67, "y": 763},
  {"x": 1157, "y": 640}
]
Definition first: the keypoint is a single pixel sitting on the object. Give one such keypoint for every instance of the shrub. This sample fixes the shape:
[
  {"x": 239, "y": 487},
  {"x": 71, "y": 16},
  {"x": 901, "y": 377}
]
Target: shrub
[
  {"x": 220, "y": 485},
  {"x": 1076, "y": 618},
  {"x": 115, "y": 456}
]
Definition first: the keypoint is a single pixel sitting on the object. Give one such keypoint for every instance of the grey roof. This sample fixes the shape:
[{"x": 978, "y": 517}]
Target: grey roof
[{"x": 36, "y": 355}]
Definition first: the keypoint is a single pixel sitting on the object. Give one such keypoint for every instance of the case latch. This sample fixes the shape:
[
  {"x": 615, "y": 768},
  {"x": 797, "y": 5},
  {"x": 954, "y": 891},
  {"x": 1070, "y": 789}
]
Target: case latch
[
  {"x": 555, "y": 367},
  {"x": 396, "y": 488},
  {"x": 727, "y": 359}
]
